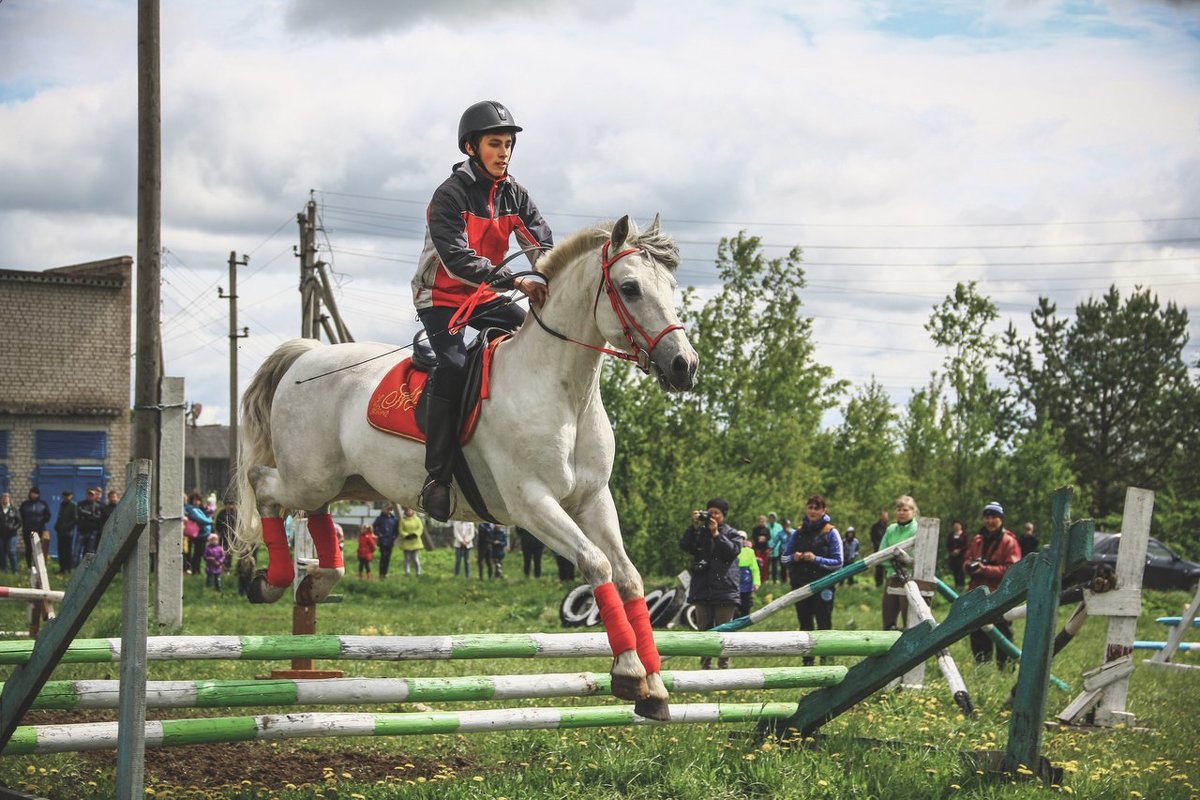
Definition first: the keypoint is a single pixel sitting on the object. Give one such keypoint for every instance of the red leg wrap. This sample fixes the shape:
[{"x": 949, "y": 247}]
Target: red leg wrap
[
  {"x": 324, "y": 538},
  {"x": 620, "y": 634},
  {"x": 639, "y": 620},
  {"x": 280, "y": 569}
]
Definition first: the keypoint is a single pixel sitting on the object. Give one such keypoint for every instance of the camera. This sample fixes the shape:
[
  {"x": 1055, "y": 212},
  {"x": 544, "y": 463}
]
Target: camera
[
  {"x": 703, "y": 519},
  {"x": 700, "y": 566},
  {"x": 975, "y": 563}
]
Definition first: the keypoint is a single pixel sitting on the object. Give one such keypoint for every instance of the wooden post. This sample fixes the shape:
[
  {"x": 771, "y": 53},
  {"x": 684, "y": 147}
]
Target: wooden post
[
  {"x": 923, "y": 571},
  {"x": 168, "y": 507},
  {"x": 1045, "y": 586}
]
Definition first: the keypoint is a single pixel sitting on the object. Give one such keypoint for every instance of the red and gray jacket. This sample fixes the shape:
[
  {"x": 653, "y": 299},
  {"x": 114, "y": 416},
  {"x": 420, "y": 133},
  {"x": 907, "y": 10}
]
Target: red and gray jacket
[{"x": 469, "y": 222}]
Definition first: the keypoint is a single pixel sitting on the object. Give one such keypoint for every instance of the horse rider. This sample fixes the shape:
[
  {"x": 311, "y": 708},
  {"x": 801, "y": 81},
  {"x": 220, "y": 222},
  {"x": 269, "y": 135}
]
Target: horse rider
[{"x": 469, "y": 222}]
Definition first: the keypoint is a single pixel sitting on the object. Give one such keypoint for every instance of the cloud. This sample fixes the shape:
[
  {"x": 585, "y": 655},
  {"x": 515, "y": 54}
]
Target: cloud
[{"x": 368, "y": 18}]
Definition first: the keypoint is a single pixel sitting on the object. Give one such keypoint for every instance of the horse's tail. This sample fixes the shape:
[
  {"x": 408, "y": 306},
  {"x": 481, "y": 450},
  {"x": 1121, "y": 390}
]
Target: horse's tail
[{"x": 255, "y": 448}]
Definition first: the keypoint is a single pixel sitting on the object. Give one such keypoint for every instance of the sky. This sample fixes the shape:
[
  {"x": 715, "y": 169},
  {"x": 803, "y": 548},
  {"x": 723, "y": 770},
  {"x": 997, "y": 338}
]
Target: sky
[{"x": 1039, "y": 148}]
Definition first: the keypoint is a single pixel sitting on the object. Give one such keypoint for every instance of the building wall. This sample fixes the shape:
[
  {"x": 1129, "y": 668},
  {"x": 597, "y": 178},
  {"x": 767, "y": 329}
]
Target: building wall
[{"x": 66, "y": 342}]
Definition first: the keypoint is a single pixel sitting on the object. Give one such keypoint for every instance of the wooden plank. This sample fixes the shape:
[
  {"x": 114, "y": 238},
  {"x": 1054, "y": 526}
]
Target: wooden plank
[
  {"x": 924, "y": 568},
  {"x": 1037, "y": 650},
  {"x": 131, "y": 720},
  {"x": 1122, "y": 629},
  {"x": 1104, "y": 675},
  {"x": 84, "y": 591},
  {"x": 1175, "y": 637},
  {"x": 169, "y": 504},
  {"x": 919, "y": 643},
  {"x": 1080, "y": 706}
]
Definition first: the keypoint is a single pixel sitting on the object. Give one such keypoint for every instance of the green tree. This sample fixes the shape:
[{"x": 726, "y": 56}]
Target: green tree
[
  {"x": 867, "y": 476},
  {"x": 1115, "y": 383}
]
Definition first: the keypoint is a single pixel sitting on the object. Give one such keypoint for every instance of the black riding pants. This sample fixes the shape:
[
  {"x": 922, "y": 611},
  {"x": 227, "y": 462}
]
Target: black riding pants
[{"x": 451, "y": 371}]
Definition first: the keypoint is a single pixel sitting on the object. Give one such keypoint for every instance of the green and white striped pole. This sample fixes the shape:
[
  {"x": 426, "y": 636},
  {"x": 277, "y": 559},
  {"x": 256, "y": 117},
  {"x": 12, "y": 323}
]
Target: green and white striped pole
[
  {"x": 102, "y": 694},
  {"x": 36, "y": 740},
  {"x": 497, "y": 645}
]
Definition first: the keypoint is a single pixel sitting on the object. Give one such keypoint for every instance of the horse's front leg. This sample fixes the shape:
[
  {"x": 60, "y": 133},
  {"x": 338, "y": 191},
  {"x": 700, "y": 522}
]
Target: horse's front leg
[
  {"x": 330, "y": 567},
  {"x": 542, "y": 514},
  {"x": 600, "y": 524}
]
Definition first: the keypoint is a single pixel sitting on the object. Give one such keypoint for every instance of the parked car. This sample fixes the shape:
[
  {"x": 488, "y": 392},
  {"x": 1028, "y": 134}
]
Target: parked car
[{"x": 1164, "y": 569}]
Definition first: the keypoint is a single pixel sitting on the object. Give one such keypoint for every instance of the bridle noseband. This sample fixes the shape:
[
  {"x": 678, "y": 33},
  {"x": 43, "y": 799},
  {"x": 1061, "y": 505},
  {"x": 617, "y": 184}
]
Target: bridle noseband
[{"x": 640, "y": 354}]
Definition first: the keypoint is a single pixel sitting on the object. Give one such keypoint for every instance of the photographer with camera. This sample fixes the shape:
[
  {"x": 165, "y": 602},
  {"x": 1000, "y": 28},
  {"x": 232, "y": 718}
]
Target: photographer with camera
[
  {"x": 989, "y": 555},
  {"x": 714, "y": 547}
]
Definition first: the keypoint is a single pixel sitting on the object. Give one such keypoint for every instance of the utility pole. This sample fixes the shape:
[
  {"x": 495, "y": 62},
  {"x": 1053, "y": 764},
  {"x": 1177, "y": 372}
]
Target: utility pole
[
  {"x": 233, "y": 346},
  {"x": 315, "y": 286}
]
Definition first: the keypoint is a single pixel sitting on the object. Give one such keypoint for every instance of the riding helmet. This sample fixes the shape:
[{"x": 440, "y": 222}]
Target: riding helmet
[{"x": 486, "y": 115}]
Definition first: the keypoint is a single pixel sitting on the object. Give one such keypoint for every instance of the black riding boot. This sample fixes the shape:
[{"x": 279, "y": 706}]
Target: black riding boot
[{"x": 441, "y": 434}]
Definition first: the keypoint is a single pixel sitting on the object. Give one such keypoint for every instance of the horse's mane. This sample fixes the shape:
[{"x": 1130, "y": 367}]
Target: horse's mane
[{"x": 655, "y": 243}]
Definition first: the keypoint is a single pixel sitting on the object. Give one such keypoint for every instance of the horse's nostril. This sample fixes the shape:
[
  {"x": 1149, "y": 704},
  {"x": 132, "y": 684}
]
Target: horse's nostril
[{"x": 679, "y": 365}]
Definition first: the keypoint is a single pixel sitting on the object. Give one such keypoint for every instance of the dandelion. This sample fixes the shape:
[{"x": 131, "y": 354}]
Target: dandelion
[{"x": 478, "y": 779}]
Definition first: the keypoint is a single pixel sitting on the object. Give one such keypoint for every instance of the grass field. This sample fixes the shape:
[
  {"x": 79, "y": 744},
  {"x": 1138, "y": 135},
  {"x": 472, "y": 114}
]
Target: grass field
[{"x": 901, "y": 744}]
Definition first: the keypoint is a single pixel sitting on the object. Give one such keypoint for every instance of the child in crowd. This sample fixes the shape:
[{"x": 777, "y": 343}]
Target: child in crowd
[
  {"x": 750, "y": 574},
  {"x": 366, "y": 551},
  {"x": 499, "y": 545},
  {"x": 214, "y": 559}
]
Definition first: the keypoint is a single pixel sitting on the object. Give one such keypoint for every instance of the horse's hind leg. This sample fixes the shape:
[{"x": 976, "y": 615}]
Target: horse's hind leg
[
  {"x": 602, "y": 528},
  {"x": 329, "y": 569},
  {"x": 269, "y": 585}
]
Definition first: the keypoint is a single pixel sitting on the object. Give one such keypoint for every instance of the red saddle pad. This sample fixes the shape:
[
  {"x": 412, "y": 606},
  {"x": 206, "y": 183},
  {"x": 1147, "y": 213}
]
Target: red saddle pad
[{"x": 393, "y": 406}]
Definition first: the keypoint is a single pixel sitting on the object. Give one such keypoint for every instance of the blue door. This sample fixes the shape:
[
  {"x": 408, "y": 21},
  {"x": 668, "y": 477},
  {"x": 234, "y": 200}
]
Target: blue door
[{"x": 54, "y": 479}]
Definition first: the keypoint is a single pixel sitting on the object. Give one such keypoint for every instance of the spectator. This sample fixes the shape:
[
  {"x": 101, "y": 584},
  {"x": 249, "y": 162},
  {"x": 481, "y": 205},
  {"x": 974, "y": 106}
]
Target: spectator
[
  {"x": 464, "y": 540},
  {"x": 714, "y": 547},
  {"x": 107, "y": 510},
  {"x": 749, "y": 575},
  {"x": 366, "y": 551},
  {"x": 214, "y": 561},
  {"x": 877, "y": 531},
  {"x": 387, "y": 530},
  {"x": 247, "y": 564},
  {"x": 956, "y": 549},
  {"x": 566, "y": 568},
  {"x": 35, "y": 522},
  {"x": 193, "y": 509},
  {"x": 531, "y": 551},
  {"x": 904, "y": 528},
  {"x": 850, "y": 550},
  {"x": 760, "y": 540},
  {"x": 779, "y": 536},
  {"x": 225, "y": 526},
  {"x": 498, "y": 544},
  {"x": 989, "y": 555},
  {"x": 411, "y": 530},
  {"x": 814, "y": 551},
  {"x": 10, "y": 527},
  {"x": 91, "y": 520},
  {"x": 64, "y": 526},
  {"x": 483, "y": 548},
  {"x": 1028, "y": 541}
]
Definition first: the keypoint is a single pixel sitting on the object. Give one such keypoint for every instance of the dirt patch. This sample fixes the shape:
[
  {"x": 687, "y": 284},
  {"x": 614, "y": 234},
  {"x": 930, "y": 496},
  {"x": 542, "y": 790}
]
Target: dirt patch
[{"x": 268, "y": 764}]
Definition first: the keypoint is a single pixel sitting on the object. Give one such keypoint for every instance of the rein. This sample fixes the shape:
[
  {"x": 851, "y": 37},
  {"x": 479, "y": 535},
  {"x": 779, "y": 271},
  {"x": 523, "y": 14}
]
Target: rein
[{"x": 640, "y": 354}]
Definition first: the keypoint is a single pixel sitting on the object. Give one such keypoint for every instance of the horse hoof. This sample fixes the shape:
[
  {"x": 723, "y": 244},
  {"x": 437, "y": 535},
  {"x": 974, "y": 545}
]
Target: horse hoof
[
  {"x": 627, "y": 687},
  {"x": 317, "y": 585},
  {"x": 260, "y": 591},
  {"x": 653, "y": 708}
]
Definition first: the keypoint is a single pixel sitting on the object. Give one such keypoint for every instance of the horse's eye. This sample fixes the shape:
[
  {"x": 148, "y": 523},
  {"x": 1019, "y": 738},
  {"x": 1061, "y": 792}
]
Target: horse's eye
[{"x": 631, "y": 290}]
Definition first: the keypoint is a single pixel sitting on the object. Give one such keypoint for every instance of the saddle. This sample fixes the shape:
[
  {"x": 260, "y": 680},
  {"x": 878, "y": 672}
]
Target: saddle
[{"x": 397, "y": 405}]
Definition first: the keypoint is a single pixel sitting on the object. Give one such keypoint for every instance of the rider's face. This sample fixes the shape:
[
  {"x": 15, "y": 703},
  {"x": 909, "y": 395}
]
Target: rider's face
[{"x": 495, "y": 150}]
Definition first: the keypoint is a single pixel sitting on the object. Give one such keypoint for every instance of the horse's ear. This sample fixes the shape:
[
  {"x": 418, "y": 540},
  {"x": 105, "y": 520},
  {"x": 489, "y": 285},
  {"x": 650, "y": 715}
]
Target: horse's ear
[
  {"x": 620, "y": 233},
  {"x": 654, "y": 226}
]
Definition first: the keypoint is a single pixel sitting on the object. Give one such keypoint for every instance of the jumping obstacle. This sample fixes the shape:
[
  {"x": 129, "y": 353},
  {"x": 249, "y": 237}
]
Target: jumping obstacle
[
  {"x": 102, "y": 694},
  {"x": 497, "y": 645},
  {"x": 209, "y": 694},
  {"x": 1175, "y": 643}
]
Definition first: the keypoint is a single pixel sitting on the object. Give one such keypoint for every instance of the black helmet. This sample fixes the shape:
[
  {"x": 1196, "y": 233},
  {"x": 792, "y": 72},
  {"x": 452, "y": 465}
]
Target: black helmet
[{"x": 486, "y": 115}]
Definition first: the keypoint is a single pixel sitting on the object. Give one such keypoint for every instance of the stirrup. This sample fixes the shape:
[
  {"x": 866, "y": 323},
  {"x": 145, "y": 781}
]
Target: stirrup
[{"x": 433, "y": 502}]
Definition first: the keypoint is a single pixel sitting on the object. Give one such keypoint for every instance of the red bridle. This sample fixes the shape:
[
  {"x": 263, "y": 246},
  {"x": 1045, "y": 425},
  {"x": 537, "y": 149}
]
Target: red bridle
[{"x": 640, "y": 354}]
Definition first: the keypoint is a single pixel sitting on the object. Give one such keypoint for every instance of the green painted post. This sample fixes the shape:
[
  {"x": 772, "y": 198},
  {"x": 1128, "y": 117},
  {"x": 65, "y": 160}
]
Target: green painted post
[{"x": 1029, "y": 703}]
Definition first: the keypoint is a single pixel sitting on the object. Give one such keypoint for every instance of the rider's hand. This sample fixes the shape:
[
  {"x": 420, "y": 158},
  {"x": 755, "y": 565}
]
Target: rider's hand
[{"x": 535, "y": 290}]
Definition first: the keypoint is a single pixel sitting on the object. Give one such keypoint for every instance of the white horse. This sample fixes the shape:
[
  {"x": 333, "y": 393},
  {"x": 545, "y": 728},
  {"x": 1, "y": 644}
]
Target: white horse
[{"x": 542, "y": 452}]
